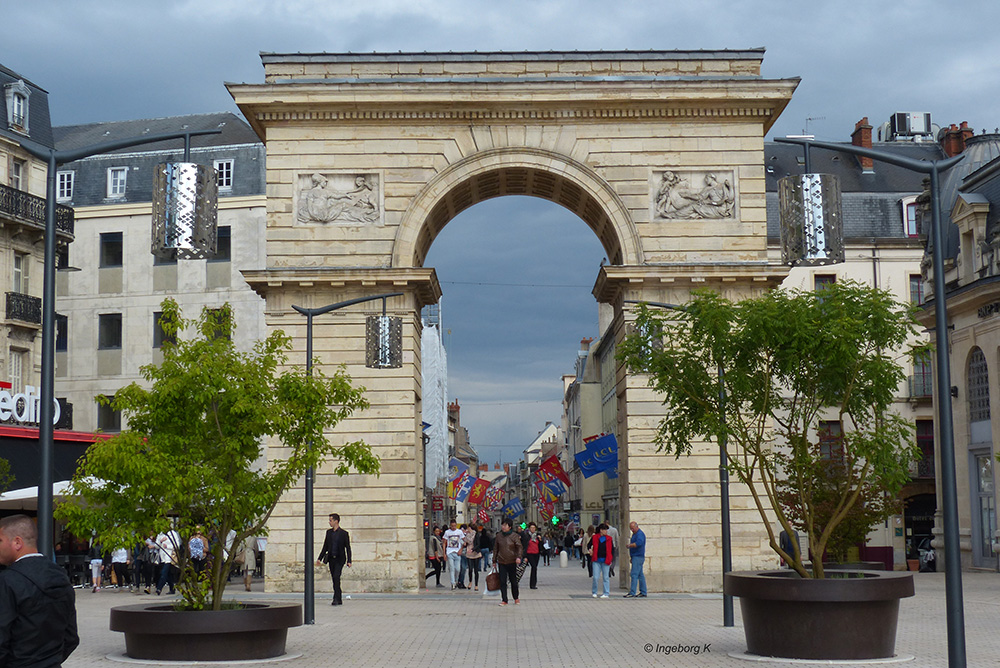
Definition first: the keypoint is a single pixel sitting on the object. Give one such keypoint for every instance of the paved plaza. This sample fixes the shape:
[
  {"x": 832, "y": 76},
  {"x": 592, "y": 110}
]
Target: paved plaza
[{"x": 558, "y": 624}]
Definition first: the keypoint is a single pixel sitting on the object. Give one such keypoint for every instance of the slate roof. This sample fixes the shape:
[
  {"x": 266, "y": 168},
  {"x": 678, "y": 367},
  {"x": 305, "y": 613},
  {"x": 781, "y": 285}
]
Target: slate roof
[
  {"x": 234, "y": 131},
  {"x": 39, "y": 120}
]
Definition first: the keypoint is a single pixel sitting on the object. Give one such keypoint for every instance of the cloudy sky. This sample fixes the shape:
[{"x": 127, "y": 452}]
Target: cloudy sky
[{"x": 516, "y": 272}]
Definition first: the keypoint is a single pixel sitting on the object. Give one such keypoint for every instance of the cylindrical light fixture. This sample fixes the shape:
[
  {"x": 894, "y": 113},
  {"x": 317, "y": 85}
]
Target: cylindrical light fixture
[
  {"x": 384, "y": 342},
  {"x": 185, "y": 198},
  {"x": 812, "y": 229}
]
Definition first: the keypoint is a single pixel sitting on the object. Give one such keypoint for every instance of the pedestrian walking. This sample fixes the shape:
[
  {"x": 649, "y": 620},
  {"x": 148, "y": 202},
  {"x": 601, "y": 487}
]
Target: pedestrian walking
[
  {"x": 197, "y": 548},
  {"x": 37, "y": 603},
  {"x": 473, "y": 556},
  {"x": 119, "y": 564},
  {"x": 588, "y": 541},
  {"x": 485, "y": 545},
  {"x": 453, "y": 538},
  {"x": 507, "y": 553},
  {"x": 249, "y": 560},
  {"x": 337, "y": 553},
  {"x": 637, "y": 553},
  {"x": 153, "y": 559},
  {"x": 435, "y": 555},
  {"x": 463, "y": 558},
  {"x": 169, "y": 544},
  {"x": 533, "y": 550},
  {"x": 548, "y": 546},
  {"x": 96, "y": 565},
  {"x": 601, "y": 549},
  {"x": 613, "y": 532}
]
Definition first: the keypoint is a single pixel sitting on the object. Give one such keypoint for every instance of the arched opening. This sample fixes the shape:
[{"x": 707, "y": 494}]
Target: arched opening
[{"x": 517, "y": 171}]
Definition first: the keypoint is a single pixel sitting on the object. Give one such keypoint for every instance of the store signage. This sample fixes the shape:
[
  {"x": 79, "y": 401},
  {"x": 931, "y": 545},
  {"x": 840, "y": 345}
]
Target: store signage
[
  {"x": 989, "y": 310},
  {"x": 24, "y": 407}
]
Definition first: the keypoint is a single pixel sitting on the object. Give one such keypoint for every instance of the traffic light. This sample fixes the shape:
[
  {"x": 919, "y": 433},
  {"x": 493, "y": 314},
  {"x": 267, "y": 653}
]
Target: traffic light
[{"x": 427, "y": 524}]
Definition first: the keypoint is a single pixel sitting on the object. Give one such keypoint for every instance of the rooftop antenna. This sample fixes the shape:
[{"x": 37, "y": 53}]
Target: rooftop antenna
[{"x": 812, "y": 118}]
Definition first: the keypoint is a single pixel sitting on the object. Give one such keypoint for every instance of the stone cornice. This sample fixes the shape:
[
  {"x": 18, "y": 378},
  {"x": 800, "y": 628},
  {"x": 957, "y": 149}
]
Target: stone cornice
[
  {"x": 612, "y": 281},
  {"x": 422, "y": 281}
]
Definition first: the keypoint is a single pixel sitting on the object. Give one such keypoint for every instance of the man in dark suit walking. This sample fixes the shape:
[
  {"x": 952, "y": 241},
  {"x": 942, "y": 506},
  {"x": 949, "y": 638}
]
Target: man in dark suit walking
[{"x": 337, "y": 552}]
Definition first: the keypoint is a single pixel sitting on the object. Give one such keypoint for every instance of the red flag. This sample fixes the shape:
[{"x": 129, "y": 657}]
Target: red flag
[
  {"x": 478, "y": 491},
  {"x": 483, "y": 517},
  {"x": 553, "y": 466}
]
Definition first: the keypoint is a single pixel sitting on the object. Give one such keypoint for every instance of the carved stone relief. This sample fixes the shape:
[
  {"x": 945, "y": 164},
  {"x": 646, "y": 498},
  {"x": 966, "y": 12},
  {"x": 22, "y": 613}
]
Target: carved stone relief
[
  {"x": 344, "y": 199},
  {"x": 686, "y": 195}
]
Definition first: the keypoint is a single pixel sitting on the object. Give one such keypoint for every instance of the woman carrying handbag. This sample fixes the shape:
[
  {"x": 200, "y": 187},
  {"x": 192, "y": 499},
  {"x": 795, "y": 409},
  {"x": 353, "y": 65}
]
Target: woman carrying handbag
[{"x": 435, "y": 555}]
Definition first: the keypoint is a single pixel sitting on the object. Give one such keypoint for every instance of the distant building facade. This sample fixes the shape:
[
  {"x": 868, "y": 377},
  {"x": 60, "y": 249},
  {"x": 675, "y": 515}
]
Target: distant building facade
[{"x": 110, "y": 288}]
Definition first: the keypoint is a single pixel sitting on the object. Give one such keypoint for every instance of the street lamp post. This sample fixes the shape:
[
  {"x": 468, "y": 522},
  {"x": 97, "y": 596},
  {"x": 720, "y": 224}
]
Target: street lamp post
[
  {"x": 727, "y": 545},
  {"x": 953, "y": 568},
  {"x": 53, "y": 159},
  {"x": 383, "y": 355}
]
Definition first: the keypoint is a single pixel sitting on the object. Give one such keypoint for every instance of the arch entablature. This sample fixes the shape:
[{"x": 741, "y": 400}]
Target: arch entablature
[{"x": 517, "y": 171}]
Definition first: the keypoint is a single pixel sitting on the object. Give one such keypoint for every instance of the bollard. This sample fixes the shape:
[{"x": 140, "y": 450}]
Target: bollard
[{"x": 563, "y": 559}]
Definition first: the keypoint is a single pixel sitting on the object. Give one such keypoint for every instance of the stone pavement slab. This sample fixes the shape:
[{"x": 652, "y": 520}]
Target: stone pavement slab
[{"x": 558, "y": 624}]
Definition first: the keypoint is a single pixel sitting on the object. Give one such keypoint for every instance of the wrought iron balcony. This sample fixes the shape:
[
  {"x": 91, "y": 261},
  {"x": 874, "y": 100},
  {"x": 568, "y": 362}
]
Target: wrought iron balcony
[
  {"x": 24, "y": 308},
  {"x": 29, "y": 209},
  {"x": 923, "y": 467},
  {"x": 921, "y": 386}
]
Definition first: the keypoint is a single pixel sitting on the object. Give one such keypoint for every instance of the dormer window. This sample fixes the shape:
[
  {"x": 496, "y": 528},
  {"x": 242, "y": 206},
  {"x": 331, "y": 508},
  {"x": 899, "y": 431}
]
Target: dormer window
[
  {"x": 17, "y": 94},
  {"x": 909, "y": 205}
]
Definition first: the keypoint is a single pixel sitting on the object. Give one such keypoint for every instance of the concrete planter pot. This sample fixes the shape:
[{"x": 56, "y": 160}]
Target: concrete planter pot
[
  {"x": 159, "y": 632},
  {"x": 849, "y": 615}
]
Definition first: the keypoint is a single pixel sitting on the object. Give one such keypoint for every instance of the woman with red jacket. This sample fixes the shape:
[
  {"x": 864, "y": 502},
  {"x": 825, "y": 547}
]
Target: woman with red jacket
[{"x": 601, "y": 549}]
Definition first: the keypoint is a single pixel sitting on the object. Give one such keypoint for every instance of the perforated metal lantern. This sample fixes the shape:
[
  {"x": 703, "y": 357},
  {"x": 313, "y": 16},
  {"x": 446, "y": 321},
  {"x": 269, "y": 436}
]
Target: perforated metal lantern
[
  {"x": 384, "y": 342},
  {"x": 812, "y": 230},
  {"x": 185, "y": 198}
]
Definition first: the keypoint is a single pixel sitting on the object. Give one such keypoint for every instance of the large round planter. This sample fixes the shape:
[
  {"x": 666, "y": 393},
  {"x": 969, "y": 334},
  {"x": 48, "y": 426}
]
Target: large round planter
[
  {"x": 257, "y": 631},
  {"x": 849, "y": 615}
]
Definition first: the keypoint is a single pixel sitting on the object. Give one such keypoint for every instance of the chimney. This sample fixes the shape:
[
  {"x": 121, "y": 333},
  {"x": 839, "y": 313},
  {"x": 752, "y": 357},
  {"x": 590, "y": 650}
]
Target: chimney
[
  {"x": 862, "y": 137},
  {"x": 585, "y": 344},
  {"x": 454, "y": 408},
  {"x": 954, "y": 138}
]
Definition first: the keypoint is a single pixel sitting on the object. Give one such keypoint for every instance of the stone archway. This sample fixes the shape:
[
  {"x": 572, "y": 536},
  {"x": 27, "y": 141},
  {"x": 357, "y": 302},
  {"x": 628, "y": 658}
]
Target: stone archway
[
  {"x": 370, "y": 155},
  {"x": 517, "y": 171}
]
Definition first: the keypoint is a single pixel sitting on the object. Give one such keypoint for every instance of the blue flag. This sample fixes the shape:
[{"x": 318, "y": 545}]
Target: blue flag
[
  {"x": 601, "y": 455},
  {"x": 512, "y": 509},
  {"x": 464, "y": 486}
]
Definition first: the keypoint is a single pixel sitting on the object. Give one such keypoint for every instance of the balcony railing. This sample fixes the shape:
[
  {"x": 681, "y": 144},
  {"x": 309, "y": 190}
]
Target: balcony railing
[
  {"x": 24, "y": 308},
  {"x": 27, "y": 208},
  {"x": 923, "y": 467},
  {"x": 921, "y": 386}
]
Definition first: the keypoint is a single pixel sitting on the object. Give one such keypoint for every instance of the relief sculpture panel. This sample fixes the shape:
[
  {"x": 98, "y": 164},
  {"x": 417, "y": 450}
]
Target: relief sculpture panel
[
  {"x": 345, "y": 199},
  {"x": 685, "y": 195}
]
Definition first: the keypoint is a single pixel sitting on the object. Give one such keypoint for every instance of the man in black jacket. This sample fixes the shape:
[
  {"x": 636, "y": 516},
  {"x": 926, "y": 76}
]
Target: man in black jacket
[
  {"x": 37, "y": 603},
  {"x": 337, "y": 551}
]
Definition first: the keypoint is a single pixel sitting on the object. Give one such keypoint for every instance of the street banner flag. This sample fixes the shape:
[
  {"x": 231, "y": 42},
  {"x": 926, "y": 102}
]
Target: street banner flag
[
  {"x": 546, "y": 510},
  {"x": 544, "y": 492},
  {"x": 464, "y": 487},
  {"x": 555, "y": 485},
  {"x": 601, "y": 455},
  {"x": 483, "y": 517},
  {"x": 494, "y": 498},
  {"x": 512, "y": 509},
  {"x": 456, "y": 469},
  {"x": 478, "y": 492},
  {"x": 553, "y": 466}
]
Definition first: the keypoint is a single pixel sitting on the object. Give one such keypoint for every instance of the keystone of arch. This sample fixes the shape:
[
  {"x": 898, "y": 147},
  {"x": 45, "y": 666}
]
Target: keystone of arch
[{"x": 416, "y": 217}]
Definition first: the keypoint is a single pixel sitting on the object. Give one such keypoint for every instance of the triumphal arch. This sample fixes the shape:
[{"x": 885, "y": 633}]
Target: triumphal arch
[{"x": 369, "y": 156}]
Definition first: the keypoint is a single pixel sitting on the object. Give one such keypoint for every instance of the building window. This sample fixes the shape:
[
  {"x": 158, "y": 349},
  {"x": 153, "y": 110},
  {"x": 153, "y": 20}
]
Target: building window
[
  {"x": 910, "y": 227},
  {"x": 223, "y": 328},
  {"x": 18, "y": 174},
  {"x": 109, "y": 331},
  {"x": 116, "y": 181},
  {"x": 224, "y": 174},
  {"x": 64, "y": 186},
  {"x": 922, "y": 384},
  {"x": 62, "y": 333},
  {"x": 16, "y": 370},
  {"x": 159, "y": 336},
  {"x": 111, "y": 249},
  {"x": 916, "y": 289},
  {"x": 830, "y": 445},
  {"x": 821, "y": 281},
  {"x": 925, "y": 441},
  {"x": 21, "y": 265},
  {"x": 979, "y": 387},
  {"x": 223, "y": 246},
  {"x": 17, "y": 94},
  {"x": 108, "y": 419},
  {"x": 172, "y": 259}
]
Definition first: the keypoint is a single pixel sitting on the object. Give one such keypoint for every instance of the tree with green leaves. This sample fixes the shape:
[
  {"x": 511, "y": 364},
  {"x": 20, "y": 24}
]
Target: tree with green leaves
[
  {"x": 191, "y": 454},
  {"x": 791, "y": 360}
]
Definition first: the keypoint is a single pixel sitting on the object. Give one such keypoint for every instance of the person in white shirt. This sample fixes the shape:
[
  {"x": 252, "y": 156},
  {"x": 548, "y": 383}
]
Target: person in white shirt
[{"x": 453, "y": 539}]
